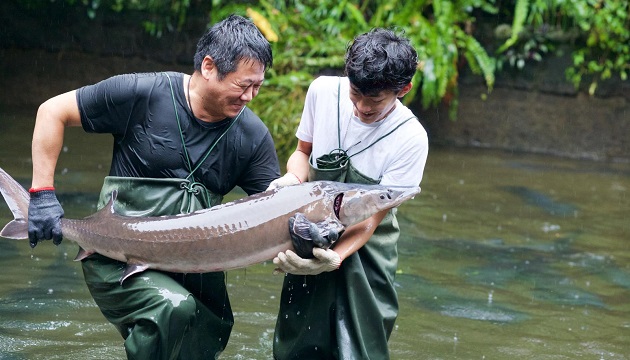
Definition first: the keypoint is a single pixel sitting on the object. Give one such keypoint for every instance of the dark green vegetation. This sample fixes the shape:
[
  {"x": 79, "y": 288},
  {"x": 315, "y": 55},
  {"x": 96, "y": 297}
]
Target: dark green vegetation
[{"x": 478, "y": 36}]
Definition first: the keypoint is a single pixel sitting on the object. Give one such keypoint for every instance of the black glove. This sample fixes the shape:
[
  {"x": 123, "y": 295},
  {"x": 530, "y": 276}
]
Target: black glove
[{"x": 44, "y": 217}]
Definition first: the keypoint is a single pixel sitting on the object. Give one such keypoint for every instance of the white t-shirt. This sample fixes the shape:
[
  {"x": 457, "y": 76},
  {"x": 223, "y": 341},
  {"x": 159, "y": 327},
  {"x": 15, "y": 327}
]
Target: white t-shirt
[{"x": 398, "y": 159}]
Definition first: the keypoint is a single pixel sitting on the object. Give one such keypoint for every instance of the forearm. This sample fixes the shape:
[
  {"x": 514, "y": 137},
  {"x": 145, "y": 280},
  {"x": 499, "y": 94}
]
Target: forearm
[
  {"x": 358, "y": 235},
  {"x": 52, "y": 118},
  {"x": 298, "y": 165}
]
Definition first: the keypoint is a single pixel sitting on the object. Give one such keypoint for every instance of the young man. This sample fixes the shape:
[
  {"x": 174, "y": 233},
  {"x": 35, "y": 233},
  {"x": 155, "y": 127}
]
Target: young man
[
  {"x": 342, "y": 304},
  {"x": 181, "y": 142}
]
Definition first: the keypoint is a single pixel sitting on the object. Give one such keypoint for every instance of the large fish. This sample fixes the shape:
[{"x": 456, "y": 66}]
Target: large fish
[{"x": 228, "y": 236}]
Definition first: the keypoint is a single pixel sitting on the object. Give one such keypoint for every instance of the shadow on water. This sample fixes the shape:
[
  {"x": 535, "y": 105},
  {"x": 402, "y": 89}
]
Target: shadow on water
[{"x": 541, "y": 200}]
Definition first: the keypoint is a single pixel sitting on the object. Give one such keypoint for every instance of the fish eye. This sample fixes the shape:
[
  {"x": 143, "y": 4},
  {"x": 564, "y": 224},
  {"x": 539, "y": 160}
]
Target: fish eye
[{"x": 382, "y": 197}]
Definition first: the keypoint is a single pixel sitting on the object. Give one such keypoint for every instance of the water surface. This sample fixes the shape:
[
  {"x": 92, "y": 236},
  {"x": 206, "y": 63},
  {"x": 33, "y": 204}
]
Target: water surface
[{"x": 502, "y": 256}]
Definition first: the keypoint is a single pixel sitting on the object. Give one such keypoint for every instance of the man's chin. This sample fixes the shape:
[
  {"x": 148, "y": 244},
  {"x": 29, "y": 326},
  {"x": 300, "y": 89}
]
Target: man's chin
[{"x": 234, "y": 110}]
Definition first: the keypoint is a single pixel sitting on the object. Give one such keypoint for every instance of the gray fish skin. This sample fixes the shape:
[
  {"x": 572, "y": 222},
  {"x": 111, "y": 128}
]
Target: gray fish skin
[{"x": 228, "y": 236}]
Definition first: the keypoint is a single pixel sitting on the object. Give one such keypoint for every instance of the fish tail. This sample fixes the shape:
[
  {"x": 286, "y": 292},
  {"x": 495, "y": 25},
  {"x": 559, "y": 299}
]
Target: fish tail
[{"x": 17, "y": 199}]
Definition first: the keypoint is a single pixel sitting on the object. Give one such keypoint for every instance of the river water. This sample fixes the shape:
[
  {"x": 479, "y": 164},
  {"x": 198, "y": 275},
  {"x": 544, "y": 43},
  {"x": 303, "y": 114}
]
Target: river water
[{"x": 502, "y": 256}]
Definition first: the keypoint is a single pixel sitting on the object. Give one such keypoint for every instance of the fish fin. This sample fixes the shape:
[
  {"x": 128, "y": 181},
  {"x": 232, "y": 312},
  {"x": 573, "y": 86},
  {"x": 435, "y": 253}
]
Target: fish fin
[
  {"x": 17, "y": 198},
  {"x": 300, "y": 231},
  {"x": 306, "y": 234},
  {"x": 300, "y": 226},
  {"x": 131, "y": 269},
  {"x": 112, "y": 200},
  {"x": 15, "y": 229},
  {"x": 82, "y": 254},
  {"x": 327, "y": 232}
]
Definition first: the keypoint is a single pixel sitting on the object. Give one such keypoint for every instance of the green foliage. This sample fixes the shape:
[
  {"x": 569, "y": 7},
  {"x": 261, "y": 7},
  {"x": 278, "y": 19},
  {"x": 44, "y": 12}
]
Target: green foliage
[
  {"x": 309, "y": 37},
  {"x": 312, "y": 37},
  {"x": 599, "y": 29}
]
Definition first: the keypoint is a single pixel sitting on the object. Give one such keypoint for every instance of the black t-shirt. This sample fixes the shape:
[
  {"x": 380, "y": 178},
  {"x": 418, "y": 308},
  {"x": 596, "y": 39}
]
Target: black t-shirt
[{"x": 139, "y": 111}]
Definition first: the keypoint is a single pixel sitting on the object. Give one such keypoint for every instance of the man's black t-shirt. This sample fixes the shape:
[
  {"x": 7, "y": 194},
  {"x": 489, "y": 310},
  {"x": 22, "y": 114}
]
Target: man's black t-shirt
[{"x": 139, "y": 111}]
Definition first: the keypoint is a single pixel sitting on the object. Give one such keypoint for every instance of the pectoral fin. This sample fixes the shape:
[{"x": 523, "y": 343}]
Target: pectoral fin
[
  {"x": 131, "y": 269},
  {"x": 306, "y": 234},
  {"x": 82, "y": 254}
]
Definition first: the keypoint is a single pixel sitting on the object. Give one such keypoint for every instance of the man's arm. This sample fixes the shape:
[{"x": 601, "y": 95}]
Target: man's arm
[
  {"x": 52, "y": 117},
  {"x": 44, "y": 210},
  {"x": 357, "y": 235},
  {"x": 297, "y": 167},
  {"x": 298, "y": 161}
]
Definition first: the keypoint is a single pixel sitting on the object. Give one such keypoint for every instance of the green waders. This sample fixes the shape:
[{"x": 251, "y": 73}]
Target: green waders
[
  {"x": 161, "y": 315},
  {"x": 348, "y": 313}
]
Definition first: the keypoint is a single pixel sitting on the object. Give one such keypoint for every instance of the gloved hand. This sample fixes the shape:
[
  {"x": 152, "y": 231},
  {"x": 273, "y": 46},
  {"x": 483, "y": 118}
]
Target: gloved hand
[
  {"x": 286, "y": 180},
  {"x": 44, "y": 217},
  {"x": 324, "y": 261}
]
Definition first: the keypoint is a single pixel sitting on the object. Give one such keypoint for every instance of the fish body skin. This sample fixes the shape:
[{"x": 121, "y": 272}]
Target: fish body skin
[{"x": 228, "y": 236}]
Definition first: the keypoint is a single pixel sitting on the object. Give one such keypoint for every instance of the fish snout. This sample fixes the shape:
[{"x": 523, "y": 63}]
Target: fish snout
[{"x": 398, "y": 195}]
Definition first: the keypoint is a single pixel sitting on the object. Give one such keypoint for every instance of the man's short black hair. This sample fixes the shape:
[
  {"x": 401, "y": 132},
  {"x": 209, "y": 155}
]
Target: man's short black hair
[
  {"x": 380, "y": 60},
  {"x": 231, "y": 40}
]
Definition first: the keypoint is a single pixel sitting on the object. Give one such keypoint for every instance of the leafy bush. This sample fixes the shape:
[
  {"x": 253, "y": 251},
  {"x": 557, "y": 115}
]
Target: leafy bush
[
  {"x": 600, "y": 31},
  {"x": 310, "y": 38}
]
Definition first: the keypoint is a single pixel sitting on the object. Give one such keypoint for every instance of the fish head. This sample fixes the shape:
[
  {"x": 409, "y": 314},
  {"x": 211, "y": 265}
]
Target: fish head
[{"x": 354, "y": 203}]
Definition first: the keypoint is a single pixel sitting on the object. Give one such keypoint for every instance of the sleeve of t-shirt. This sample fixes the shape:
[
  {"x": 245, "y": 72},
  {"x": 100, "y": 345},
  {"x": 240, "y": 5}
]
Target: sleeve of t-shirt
[
  {"x": 305, "y": 128},
  {"x": 264, "y": 167},
  {"x": 106, "y": 106},
  {"x": 408, "y": 168}
]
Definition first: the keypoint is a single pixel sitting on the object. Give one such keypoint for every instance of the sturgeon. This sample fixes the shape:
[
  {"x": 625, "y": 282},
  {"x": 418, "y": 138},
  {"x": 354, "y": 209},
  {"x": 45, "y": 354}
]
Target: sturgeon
[{"x": 233, "y": 235}]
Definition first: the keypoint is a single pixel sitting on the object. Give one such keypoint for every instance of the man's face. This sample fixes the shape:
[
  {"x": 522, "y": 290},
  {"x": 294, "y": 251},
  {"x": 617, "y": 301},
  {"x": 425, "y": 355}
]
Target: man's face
[
  {"x": 372, "y": 108},
  {"x": 226, "y": 97}
]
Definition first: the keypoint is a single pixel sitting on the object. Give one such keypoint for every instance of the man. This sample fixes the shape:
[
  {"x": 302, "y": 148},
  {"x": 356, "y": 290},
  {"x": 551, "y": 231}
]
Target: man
[
  {"x": 342, "y": 304},
  {"x": 180, "y": 143}
]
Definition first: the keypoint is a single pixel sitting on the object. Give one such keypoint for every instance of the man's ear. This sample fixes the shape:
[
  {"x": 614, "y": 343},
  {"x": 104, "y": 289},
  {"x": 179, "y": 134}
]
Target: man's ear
[
  {"x": 207, "y": 67},
  {"x": 404, "y": 90}
]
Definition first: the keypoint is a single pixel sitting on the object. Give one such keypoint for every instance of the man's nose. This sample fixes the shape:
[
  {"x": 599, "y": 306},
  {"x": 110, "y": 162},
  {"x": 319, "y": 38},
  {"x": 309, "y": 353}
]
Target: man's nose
[
  {"x": 248, "y": 94},
  {"x": 363, "y": 107}
]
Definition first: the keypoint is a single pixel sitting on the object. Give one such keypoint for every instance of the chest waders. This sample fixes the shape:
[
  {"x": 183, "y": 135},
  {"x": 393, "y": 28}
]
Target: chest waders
[
  {"x": 154, "y": 310},
  {"x": 348, "y": 313}
]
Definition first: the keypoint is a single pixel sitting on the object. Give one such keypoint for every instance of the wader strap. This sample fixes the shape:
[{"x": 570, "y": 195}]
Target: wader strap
[
  {"x": 191, "y": 177},
  {"x": 156, "y": 196},
  {"x": 381, "y": 138},
  {"x": 338, "y": 112},
  {"x": 341, "y": 152}
]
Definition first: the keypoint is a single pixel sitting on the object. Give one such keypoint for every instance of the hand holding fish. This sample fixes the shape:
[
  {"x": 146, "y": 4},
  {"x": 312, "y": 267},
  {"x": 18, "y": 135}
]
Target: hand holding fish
[
  {"x": 287, "y": 180},
  {"x": 44, "y": 217},
  {"x": 325, "y": 260}
]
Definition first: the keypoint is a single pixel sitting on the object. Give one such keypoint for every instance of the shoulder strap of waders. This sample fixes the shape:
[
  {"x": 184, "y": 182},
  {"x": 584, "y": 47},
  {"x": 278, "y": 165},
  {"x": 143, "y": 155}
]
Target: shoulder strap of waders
[
  {"x": 338, "y": 113},
  {"x": 381, "y": 138},
  {"x": 191, "y": 170}
]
